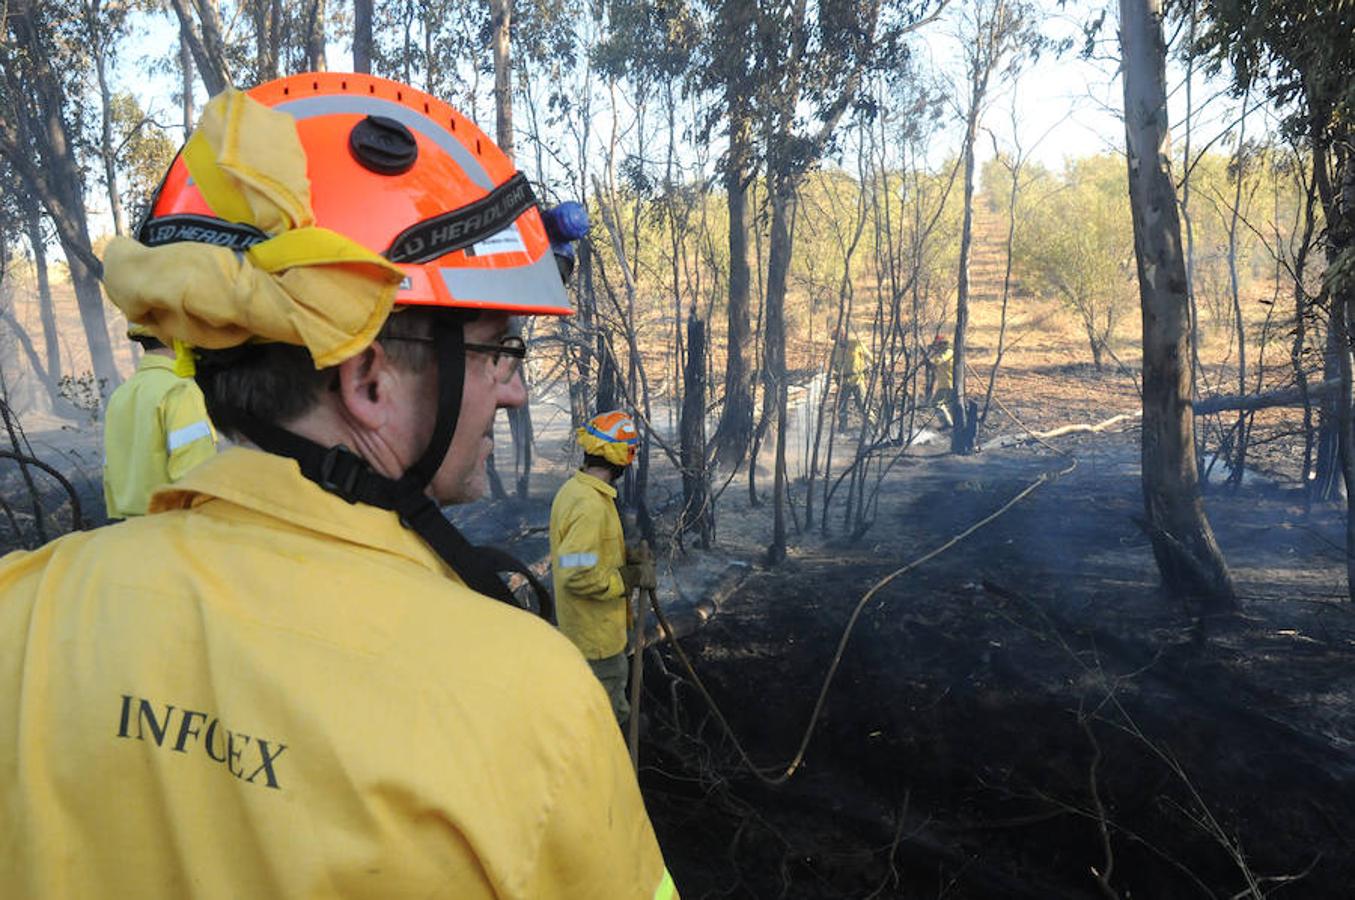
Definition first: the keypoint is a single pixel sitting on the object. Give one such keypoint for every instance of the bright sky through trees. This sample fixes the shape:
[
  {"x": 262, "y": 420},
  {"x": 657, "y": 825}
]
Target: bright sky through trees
[{"x": 1067, "y": 105}]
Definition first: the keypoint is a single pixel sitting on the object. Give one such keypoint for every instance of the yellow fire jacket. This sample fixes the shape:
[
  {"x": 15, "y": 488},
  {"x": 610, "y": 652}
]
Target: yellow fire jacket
[
  {"x": 852, "y": 361},
  {"x": 155, "y": 430},
  {"x": 260, "y": 690},
  {"x": 586, "y": 549},
  {"x": 943, "y": 377}
]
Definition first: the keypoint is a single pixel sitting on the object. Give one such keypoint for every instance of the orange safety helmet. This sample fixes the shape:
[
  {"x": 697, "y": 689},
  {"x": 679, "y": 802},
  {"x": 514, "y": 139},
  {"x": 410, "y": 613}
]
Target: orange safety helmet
[
  {"x": 405, "y": 175},
  {"x": 612, "y": 436}
]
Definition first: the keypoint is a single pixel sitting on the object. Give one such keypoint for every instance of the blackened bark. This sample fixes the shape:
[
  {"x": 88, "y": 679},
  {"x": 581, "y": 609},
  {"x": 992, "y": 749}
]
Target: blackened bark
[
  {"x": 735, "y": 431},
  {"x": 778, "y": 267},
  {"x": 697, "y": 512}
]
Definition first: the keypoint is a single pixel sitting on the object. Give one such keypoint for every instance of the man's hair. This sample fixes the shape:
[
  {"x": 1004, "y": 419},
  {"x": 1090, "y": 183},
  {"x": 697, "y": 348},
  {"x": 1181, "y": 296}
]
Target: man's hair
[
  {"x": 591, "y": 460},
  {"x": 278, "y": 383}
]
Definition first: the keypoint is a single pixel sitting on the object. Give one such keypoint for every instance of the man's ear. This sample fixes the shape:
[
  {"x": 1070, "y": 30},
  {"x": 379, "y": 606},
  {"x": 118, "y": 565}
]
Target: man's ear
[{"x": 365, "y": 387}]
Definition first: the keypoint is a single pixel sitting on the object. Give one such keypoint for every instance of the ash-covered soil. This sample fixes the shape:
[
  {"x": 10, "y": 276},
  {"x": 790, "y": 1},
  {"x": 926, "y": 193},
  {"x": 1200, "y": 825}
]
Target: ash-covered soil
[{"x": 1024, "y": 715}]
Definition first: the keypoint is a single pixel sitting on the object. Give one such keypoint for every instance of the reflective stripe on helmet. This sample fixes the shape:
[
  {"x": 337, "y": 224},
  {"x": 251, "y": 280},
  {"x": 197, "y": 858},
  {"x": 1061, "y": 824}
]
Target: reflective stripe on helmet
[
  {"x": 538, "y": 284},
  {"x": 331, "y": 104},
  {"x": 611, "y": 438}
]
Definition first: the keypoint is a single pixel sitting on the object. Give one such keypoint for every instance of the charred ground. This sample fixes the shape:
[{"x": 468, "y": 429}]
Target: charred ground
[{"x": 1025, "y": 715}]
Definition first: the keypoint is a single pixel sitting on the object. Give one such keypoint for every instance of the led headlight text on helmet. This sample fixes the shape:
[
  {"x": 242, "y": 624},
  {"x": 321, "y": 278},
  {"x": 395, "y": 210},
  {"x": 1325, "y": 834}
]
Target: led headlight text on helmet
[
  {"x": 463, "y": 227},
  {"x": 172, "y": 229}
]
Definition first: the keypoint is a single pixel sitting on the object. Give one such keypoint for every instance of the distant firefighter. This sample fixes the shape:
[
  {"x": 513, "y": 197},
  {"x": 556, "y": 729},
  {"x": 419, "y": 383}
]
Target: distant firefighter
[
  {"x": 593, "y": 569},
  {"x": 940, "y": 379},
  {"x": 155, "y": 428},
  {"x": 850, "y": 364}
]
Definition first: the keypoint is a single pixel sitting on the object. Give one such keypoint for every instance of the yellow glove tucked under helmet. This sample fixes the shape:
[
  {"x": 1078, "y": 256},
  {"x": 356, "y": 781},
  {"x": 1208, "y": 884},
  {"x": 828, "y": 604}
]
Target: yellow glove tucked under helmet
[{"x": 612, "y": 436}]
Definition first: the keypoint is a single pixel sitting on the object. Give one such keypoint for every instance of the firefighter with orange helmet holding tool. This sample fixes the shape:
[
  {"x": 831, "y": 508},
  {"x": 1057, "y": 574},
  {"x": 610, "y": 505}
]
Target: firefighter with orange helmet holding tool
[
  {"x": 593, "y": 569},
  {"x": 294, "y": 677}
]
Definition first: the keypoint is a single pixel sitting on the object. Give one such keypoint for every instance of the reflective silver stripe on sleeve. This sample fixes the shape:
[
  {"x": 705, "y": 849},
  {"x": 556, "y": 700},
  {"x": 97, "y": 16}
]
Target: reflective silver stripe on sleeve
[
  {"x": 578, "y": 560},
  {"x": 536, "y": 285},
  {"x": 187, "y": 435},
  {"x": 306, "y": 107}
]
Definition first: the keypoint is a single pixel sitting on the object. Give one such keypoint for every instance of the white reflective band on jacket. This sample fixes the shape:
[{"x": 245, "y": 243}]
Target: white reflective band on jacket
[
  {"x": 155, "y": 430},
  {"x": 181, "y": 437},
  {"x": 302, "y": 701},
  {"x": 587, "y": 549}
]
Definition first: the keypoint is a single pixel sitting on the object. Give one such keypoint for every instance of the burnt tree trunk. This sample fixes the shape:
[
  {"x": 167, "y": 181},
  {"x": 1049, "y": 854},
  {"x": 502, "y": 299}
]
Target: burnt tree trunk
[
  {"x": 961, "y": 436},
  {"x": 697, "y": 513},
  {"x": 1334, "y": 174},
  {"x": 735, "y": 431},
  {"x": 1183, "y": 543},
  {"x": 778, "y": 268}
]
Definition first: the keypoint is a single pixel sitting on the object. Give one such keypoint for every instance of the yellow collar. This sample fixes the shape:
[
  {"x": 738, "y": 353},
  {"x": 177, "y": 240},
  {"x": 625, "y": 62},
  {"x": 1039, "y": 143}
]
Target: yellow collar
[
  {"x": 155, "y": 361},
  {"x": 270, "y": 486},
  {"x": 596, "y": 483}
]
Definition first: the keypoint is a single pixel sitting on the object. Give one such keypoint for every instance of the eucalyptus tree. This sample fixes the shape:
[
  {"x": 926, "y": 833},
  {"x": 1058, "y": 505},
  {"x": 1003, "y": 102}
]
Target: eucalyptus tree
[
  {"x": 200, "y": 27},
  {"x": 362, "y": 36},
  {"x": 1302, "y": 55},
  {"x": 1187, "y": 555},
  {"x": 21, "y": 219},
  {"x": 40, "y": 123},
  {"x": 540, "y": 21},
  {"x": 815, "y": 64},
  {"x": 997, "y": 37},
  {"x": 1083, "y": 249},
  {"x": 103, "y": 26}
]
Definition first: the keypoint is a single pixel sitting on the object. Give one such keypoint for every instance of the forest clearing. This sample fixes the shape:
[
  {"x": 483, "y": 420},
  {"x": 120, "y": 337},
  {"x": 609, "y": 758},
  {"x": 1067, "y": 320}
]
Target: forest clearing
[{"x": 1000, "y": 499}]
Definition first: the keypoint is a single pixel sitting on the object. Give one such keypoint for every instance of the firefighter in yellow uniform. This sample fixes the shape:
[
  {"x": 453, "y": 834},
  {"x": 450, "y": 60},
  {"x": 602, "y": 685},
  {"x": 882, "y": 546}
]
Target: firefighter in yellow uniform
[
  {"x": 940, "y": 379},
  {"x": 593, "y": 572},
  {"x": 850, "y": 364},
  {"x": 155, "y": 428},
  {"x": 293, "y": 677}
]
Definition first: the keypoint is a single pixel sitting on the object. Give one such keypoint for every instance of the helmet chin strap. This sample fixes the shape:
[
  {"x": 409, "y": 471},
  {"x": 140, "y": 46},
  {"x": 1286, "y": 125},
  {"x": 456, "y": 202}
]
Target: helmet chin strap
[{"x": 342, "y": 472}]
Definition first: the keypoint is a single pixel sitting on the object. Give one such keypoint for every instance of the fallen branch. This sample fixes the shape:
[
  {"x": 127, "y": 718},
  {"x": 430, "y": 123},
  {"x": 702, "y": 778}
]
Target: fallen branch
[
  {"x": 1292, "y": 396},
  {"x": 1012, "y": 440}
]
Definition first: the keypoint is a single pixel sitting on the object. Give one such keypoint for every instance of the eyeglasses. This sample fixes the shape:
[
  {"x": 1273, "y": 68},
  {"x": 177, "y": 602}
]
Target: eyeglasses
[{"x": 506, "y": 356}]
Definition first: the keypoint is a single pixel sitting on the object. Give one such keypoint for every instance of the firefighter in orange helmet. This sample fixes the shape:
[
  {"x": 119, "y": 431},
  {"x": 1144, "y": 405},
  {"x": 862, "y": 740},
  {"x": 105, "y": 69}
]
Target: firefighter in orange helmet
[
  {"x": 593, "y": 570},
  {"x": 292, "y": 678}
]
